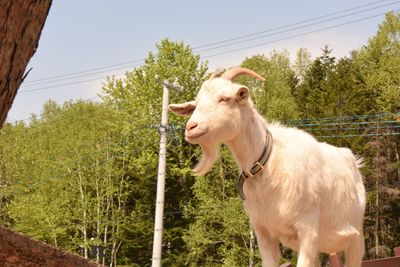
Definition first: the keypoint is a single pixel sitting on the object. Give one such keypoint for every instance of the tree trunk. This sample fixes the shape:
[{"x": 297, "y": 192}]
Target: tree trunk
[
  {"x": 251, "y": 256},
  {"x": 21, "y": 23},
  {"x": 84, "y": 225},
  {"x": 19, "y": 250},
  {"x": 378, "y": 168}
]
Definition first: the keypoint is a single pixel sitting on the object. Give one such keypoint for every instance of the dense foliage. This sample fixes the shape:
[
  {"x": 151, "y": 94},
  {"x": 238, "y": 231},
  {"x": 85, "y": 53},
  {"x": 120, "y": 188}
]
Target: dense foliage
[{"x": 82, "y": 175}]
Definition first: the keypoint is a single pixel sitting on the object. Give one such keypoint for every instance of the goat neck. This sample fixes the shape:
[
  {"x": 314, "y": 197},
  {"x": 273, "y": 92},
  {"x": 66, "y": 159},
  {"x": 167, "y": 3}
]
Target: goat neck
[{"x": 248, "y": 145}]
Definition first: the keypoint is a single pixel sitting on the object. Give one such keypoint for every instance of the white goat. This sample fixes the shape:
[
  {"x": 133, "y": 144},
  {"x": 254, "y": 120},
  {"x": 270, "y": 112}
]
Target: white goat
[{"x": 306, "y": 194}]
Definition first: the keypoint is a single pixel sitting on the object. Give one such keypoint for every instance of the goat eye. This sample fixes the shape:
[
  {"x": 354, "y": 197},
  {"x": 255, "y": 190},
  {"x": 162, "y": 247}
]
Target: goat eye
[{"x": 223, "y": 99}]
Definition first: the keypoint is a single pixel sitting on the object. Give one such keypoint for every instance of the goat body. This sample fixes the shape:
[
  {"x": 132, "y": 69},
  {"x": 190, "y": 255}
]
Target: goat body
[{"x": 310, "y": 195}]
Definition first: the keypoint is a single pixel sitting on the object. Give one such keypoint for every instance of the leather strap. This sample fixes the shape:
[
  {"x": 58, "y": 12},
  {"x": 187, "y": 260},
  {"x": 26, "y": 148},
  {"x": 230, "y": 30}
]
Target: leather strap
[{"x": 257, "y": 167}]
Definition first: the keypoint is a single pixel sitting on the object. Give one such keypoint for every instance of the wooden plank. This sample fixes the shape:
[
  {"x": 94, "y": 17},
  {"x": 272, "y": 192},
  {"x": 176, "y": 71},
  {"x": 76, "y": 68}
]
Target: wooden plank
[
  {"x": 397, "y": 251},
  {"x": 18, "y": 250},
  {"x": 335, "y": 260},
  {"x": 386, "y": 262}
]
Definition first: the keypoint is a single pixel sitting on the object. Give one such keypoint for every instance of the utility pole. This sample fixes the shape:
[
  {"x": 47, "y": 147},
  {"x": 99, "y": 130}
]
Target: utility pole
[
  {"x": 158, "y": 224},
  {"x": 251, "y": 256}
]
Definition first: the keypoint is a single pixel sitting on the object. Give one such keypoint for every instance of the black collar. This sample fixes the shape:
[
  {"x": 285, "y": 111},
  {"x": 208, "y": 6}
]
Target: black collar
[{"x": 257, "y": 167}]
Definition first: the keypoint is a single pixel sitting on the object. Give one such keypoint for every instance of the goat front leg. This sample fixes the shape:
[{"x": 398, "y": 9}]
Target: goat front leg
[
  {"x": 317, "y": 263},
  {"x": 308, "y": 238},
  {"x": 268, "y": 246}
]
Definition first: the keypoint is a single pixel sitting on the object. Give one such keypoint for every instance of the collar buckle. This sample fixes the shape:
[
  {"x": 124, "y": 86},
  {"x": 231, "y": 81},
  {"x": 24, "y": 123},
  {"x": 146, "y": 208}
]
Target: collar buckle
[
  {"x": 246, "y": 174},
  {"x": 259, "y": 169}
]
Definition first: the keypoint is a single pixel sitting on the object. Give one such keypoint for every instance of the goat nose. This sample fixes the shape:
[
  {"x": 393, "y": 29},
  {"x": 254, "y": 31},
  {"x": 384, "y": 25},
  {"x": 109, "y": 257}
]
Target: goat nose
[{"x": 191, "y": 125}]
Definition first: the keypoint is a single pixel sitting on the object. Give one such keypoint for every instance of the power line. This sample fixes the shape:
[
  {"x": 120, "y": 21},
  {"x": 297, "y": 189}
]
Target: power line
[
  {"x": 85, "y": 71},
  {"x": 384, "y": 127},
  {"x": 43, "y": 113},
  {"x": 42, "y": 126},
  {"x": 348, "y": 117},
  {"x": 287, "y": 25},
  {"x": 344, "y": 123},
  {"x": 357, "y": 135},
  {"x": 65, "y": 164},
  {"x": 64, "y": 84},
  {"x": 91, "y": 71},
  {"x": 314, "y": 126},
  {"x": 78, "y": 76},
  {"x": 225, "y": 52},
  {"x": 296, "y": 28},
  {"x": 296, "y": 36}
]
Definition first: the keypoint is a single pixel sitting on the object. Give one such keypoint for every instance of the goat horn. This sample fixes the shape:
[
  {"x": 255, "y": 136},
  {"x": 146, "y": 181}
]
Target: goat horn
[
  {"x": 215, "y": 75},
  {"x": 232, "y": 73}
]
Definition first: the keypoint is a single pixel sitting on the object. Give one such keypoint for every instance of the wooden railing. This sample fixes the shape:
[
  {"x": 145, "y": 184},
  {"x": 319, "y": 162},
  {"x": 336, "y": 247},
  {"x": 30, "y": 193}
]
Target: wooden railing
[{"x": 386, "y": 262}]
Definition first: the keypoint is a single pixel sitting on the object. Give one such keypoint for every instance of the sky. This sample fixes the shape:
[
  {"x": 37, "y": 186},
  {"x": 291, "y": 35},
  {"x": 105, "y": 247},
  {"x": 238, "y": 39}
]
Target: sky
[{"x": 83, "y": 42}]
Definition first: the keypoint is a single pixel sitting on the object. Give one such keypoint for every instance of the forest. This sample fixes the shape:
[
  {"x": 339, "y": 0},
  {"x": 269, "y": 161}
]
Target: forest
[{"x": 81, "y": 175}]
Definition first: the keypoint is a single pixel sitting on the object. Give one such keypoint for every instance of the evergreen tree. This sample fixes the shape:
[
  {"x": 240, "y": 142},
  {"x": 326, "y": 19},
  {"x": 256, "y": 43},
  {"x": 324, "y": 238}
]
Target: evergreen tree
[
  {"x": 313, "y": 94},
  {"x": 378, "y": 62}
]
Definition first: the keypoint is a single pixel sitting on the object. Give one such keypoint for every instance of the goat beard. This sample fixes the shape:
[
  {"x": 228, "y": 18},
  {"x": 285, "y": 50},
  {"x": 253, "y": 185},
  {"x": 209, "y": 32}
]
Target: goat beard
[{"x": 208, "y": 157}]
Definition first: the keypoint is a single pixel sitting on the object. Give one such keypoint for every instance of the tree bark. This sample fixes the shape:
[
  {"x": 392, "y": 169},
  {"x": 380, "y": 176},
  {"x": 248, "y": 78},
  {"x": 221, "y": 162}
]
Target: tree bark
[
  {"x": 20, "y": 251},
  {"x": 21, "y": 23}
]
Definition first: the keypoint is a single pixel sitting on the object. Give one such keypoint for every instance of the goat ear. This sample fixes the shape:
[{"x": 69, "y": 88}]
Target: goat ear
[
  {"x": 184, "y": 109},
  {"x": 242, "y": 93}
]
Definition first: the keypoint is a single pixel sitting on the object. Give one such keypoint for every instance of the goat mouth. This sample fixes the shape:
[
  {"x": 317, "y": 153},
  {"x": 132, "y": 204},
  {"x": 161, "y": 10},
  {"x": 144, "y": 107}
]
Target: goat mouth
[{"x": 189, "y": 136}]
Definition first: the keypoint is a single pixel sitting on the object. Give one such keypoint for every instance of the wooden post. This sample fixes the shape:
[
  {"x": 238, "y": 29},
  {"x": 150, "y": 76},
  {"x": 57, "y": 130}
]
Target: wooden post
[
  {"x": 397, "y": 251},
  {"x": 335, "y": 260},
  {"x": 159, "y": 213}
]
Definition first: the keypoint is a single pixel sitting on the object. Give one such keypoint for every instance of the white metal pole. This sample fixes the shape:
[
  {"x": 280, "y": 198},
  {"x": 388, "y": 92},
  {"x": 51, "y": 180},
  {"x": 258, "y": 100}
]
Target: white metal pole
[{"x": 158, "y": 225}]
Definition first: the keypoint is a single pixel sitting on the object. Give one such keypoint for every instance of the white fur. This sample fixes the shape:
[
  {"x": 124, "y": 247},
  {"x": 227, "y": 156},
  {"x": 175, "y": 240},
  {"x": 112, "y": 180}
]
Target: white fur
[{"x": 310, "y": 195}]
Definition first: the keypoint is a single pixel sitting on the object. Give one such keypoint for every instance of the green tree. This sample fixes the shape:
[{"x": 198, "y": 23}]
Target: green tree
[
  {"x": 138, "y": 98},
  {"x": 313, "y": 94},
  {"x": 219, "y": 234},
  {"x": 302, "y": 63},
  {"x": 378, "y": 62},
  {"x": 68, "y": 192},
  {"x": 273, "y": 98}
]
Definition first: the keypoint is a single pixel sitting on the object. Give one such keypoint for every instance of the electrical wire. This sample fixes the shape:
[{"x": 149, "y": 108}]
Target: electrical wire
[
  {"x": 38, "y": 116},
  {"x": 98, "y": 151},
  {"x": 295, "y": 36},
  {"x": 85, "y": 71},
  {"x": 345, "y": 117},
  {"x": 389, "y": 127},
  {"x": 287, "y": 25},
  {"x": 37, "y": 89},
  {"x": 295, "y": 28},
  {"x": 356, "y": 135},
  {"x": 80, "y": 74},
  {"x": 345, "y": 123},
  {"x": 64, "y": 84}
]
